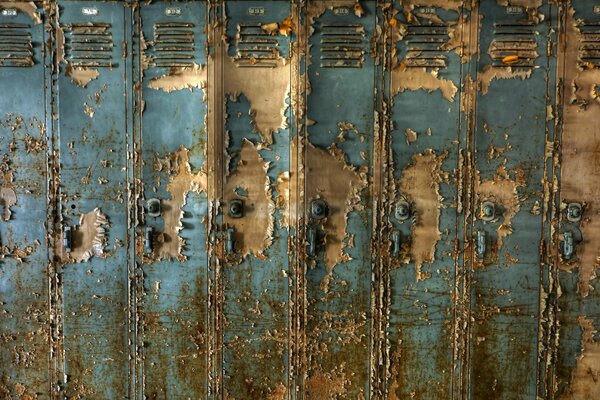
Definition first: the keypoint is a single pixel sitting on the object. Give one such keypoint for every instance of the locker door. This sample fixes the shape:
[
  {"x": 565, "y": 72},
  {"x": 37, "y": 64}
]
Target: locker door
[
  {"x": 578, "y": 229},
  {"x": 423, "y": 204},
  {"x": 336, "y": 154},
  {"x": 23, "y": 174},
  {"x": 508, "y": 187},
  {"x": 93, "y": 93},
  {"x": 171, "y": 238},
  {"x": 254, "y": 210}
]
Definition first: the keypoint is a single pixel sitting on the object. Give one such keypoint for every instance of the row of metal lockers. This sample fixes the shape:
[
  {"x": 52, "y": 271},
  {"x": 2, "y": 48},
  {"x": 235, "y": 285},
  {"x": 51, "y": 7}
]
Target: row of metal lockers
[{"x": 318, "y": 200}]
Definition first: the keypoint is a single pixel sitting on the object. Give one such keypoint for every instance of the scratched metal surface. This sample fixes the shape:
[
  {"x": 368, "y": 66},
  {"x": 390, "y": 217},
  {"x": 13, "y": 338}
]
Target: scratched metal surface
[
  {"x": 24, "y": 319},
  {"x": 94, "y": 175},
  {"x": 444, "y": 317}
]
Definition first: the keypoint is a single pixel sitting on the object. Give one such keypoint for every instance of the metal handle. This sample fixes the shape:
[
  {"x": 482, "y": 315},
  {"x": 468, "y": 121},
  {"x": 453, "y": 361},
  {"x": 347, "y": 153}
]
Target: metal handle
[
  {"x": 567, "y": 246},
  {"x": 311, "y": 238},
  {"x": 148, "y": 236},
  {"x": 395, "y": 243},
  {"x": 230, "y": 240},
  {"x": 480, "y": 244},
  {"x": 68, "y": 238}
]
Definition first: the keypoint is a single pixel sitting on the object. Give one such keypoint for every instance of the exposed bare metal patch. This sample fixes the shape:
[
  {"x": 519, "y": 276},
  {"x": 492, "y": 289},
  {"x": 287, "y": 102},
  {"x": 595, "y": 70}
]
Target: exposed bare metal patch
[
  {"x": 501, "y": 190},
  {"x": 8, "y": 196},
  {"x": 266, "y": 90},
  {"x": 326, "y": 385},
  {"x": 315, "y": 9},
  {"x": 489, "y": 73},
  {"x": 585, "y": 382},
  {"x": 420, "y": 184},
  {"x": 250, "y": 182},
  {"x": 89, "y": 238},
  {"x": 28, "y": 8},
  {"x": 283, "y": 198},
  {"x": 182, "y": 181},
  {"x": 339, "y": 184},
  {"x": 413, "y": 79},
  {"x": 181, "y": 78},
  {"x": 81, "y": 76},
  {"x": 580, "y": 153},
  {"x": 455, "y": 5}
]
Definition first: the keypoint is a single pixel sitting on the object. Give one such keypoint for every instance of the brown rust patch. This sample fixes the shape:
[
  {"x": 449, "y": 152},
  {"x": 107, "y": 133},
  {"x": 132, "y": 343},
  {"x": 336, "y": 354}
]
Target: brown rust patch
[
  {"x": 182, "y": 181},
  {"x": 585, "y": 379},
  {"x": 339, "y": 184},
  {"x": 181, "y": 78},
  {"x": 8, "y": 196},
  {"x": 28, "y": 7},
  {"x": 89, "y": 238},
  {"x": 413, "y": 79},
  {"x": 420, "y": 185},
  {"x": 580, "y": 149},
  {"x": 250, "y": 182},
  {"x": 283, "y": 201},
  {"x": 326, "y": 385}
]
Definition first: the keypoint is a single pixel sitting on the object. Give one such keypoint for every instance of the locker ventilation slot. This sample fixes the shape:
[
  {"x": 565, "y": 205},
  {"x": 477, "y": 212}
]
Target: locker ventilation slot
[
  {"x": 514, "y": 45},
  {"x": 589, "y": 46},
  {"x": 343, "y": 46},
  {"x": 255, "y": 47},
  {"x": 16, "y": 47},
  {"x": 89, "y": 45},
  {"x": 426, "y": 46},
  {"x": 173, "y": 45}
]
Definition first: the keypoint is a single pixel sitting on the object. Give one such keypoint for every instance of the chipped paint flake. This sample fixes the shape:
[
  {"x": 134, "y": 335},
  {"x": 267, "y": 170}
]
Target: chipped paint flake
[
  {"x": 181, "y": 78},
  {"x": 8, "y": 196},
  {"x": 169, "y": 243},
  {"x": 250, "y": 182},
  {"x": 81, "y": 76},
  {"x": 404, "y": 78},
  {"x": 89, "y": 238},
  {"x": 28, "y": 7},
  {"x": 489, "y": 73},
  {"x": 420, "y": 185}
]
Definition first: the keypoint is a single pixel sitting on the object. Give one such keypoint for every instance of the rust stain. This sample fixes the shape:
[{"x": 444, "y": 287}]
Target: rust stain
[
  {"x": 181, "y": 182},
  {"x": 340, "y": 187},
  {"x": 181, "y": 78},
  {"x": 420, "y": 184},
  {"x": 581, "y": 135},
  {"x": 323, "y": 385},
  {"x": 585, "y": 379},
  {"x": 89, "y": 239},
  {"x": 250, "y": 182}
]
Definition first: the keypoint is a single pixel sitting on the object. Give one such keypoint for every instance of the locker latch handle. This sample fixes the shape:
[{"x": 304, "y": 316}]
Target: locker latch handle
[
  {"x": 148, "y": 236},
  {"x": 311, "y": 238},
  {"x": 68, "y": 238},
  {"x": 480, "y": 244},
  {"x": 230, "y": 232},
  {"x": 396, "y": 243},
  {"x": 567, "y": 247}
]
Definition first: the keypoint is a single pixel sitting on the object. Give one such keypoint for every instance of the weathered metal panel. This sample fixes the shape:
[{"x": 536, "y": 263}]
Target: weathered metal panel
[
  {"x": 423, "y": 177},
  {"x": 92, "y": 96},
  {"x": 24, "y": 320},
  {"x": 336, "y": 154},
  {"x": 507, "y": 188},
  {"x": 255, "y": 276},
  {"x": 171, "y": 243}
]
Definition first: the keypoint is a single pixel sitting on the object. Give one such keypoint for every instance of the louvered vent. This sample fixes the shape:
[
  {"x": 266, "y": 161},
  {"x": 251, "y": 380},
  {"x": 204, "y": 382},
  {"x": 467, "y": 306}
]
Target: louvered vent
[
  {"x": 16, "y": 47},
  {"x": 89, "y": 45},
  {"x": 589, "y": 46},
  {"x": 426, "y": 46},
  {"x": 514, "y": 45},
  {"x": 343, "y": 46},
  {"x": 173, "y": 45},
  {"x": 255, "y": 47}
]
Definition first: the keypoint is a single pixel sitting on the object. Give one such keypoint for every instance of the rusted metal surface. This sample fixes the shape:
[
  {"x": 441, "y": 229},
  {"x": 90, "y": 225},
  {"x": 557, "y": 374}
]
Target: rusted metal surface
[{"x": 331, "y": 199}]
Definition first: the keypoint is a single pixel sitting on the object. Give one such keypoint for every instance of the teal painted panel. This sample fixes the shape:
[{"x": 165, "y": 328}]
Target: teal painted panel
[
  {"x": 24, "y": 319},
  {"x": 428, "y": 147},
  {"x": 94, "y": 139},
  {"x": 256, "y": 271},
  {"x": 338, "y": 161},
  {"x": 509, "y": 140},
  {"x": 174, "y": 307}
]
